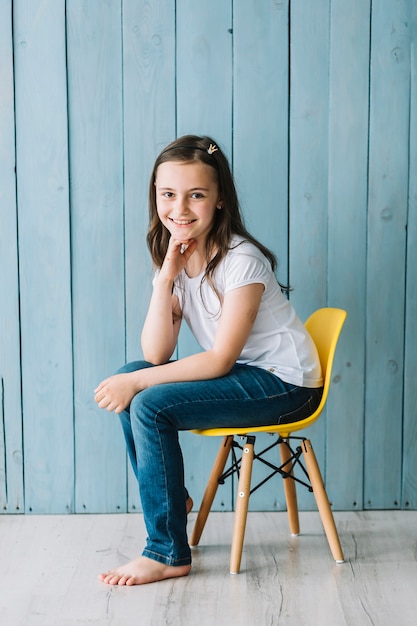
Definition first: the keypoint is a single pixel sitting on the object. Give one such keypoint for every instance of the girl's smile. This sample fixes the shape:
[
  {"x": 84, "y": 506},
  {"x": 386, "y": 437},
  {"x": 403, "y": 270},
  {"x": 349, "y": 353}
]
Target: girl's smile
[
  {"x": 181, "y": 222},
  {"x": 187, "y": 197}
]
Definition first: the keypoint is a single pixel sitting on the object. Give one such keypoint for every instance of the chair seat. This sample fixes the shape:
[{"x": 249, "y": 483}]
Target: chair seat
[{"x": 284, "y": 429}]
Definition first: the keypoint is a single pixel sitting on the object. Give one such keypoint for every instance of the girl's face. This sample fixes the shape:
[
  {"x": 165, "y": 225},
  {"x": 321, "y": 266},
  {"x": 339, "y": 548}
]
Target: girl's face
[{"x": 187, "y": 197}]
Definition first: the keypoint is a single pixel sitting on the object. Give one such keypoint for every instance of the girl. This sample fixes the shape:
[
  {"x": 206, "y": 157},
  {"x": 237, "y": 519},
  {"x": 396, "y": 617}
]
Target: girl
[{"x": 259, "y": 365}]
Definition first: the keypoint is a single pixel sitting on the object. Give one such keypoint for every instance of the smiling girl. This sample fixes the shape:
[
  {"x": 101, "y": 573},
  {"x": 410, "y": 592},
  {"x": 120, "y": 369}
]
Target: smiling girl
[{"x": 258, "y": 366}]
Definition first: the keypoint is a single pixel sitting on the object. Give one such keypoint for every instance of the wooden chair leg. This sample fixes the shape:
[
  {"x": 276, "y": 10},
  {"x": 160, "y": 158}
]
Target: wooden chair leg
[
  {"x": 211, "y": 489},
  {"x": 322, "y": 500},
  {"x": 290, "y": 492},
  {"x": 242, "y": 502}
]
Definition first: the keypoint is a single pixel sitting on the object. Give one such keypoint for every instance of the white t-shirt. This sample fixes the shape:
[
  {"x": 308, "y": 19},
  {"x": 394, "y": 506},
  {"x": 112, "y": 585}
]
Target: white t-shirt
[{"x": 278, "y": 341}]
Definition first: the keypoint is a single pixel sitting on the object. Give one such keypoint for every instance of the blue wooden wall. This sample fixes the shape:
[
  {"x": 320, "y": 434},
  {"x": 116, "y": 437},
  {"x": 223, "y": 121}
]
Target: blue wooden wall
[{"x": 315, "y": 103}]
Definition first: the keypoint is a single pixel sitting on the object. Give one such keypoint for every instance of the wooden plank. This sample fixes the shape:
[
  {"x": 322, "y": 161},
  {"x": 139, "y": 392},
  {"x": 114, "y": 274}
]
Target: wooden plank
[
  {"x": 149, "y": 124},
  {"x": 204, "y": 70},
  {"x": 260, "y": 121},
  {"x": 204, "y": 107},
  {"x": 11, "y": 468},
  {"x": 308, "y": 172},
  {"x": 387, "y": 217},
  {"x": 260, "y": 152},
  {"x": 96, "y": 138},
  {"x": 309, "y": 112},
  {"x": 410, "y": 363},
  {"x": 348, "y": 156},
  {"x": 44, "y": 257}
]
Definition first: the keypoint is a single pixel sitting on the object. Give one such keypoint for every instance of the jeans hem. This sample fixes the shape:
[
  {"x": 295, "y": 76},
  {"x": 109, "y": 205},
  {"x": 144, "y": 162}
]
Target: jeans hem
[{"x": 167, "y": 560}]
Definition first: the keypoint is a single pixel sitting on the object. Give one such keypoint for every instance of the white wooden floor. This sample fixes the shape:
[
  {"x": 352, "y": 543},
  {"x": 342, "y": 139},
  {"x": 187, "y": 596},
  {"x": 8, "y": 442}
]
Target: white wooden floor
[{"x": 49, "y": 566}]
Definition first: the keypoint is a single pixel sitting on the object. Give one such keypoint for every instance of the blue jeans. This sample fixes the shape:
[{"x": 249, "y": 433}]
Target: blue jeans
[{"x": 247, "y": 396}]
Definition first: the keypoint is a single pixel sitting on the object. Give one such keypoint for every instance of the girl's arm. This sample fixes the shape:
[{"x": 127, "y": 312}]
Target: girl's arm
[
  {"x": 239, "y": 310},
  {"x": 163, "y": 320},
  {"x": 162, "y": 323}
]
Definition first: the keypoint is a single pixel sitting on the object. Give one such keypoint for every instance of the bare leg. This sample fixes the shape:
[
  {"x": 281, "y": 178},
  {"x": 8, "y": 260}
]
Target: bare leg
[{"x": 141, "y": 571}]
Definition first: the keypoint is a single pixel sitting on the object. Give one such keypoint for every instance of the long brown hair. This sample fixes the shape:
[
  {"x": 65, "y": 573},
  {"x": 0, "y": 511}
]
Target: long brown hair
[{"x": 227, "y": 222}]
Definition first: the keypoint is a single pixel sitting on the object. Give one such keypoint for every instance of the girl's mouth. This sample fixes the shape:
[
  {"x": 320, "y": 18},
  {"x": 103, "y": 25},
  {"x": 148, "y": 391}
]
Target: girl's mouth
[{"x": 181, "y": 222}]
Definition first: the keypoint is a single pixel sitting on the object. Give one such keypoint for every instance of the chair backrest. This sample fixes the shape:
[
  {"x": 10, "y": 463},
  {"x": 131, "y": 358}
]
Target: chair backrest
[{"x": 324, "y": 326}]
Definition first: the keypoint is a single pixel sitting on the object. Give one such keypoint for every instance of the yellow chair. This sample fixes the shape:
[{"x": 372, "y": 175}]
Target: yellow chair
[{"x": 324, "y": 326}]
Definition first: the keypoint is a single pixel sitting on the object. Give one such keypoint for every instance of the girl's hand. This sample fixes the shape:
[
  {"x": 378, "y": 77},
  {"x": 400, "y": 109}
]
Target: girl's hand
[
  {"x": 115, "y": 393},
  {"x": 176, "y": 257}
]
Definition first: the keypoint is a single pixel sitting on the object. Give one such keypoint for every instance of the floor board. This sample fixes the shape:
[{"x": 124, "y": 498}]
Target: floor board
[{"x": 49, "y": 567}]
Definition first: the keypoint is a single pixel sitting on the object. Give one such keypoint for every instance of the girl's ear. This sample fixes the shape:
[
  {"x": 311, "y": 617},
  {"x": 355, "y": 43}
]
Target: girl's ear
[{"x": 219, "y": 204}]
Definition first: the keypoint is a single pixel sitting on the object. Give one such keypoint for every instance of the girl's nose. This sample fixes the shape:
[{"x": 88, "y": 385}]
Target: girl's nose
[{"x": 181, "y": 205}]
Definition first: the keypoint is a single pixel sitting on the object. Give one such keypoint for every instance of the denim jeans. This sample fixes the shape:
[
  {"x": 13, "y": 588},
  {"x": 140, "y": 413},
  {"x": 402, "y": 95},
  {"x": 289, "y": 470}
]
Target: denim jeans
[{"x": 247, "y": 396}]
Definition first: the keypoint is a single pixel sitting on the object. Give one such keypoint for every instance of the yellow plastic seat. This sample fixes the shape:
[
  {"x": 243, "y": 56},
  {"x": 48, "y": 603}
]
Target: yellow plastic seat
[{"x": 324, "y": 326}]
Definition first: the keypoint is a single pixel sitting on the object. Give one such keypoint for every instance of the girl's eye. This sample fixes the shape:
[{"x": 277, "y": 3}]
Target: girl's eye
[
  {"x": 167, "y": 194},
  {"x": 197, "y": 195}
]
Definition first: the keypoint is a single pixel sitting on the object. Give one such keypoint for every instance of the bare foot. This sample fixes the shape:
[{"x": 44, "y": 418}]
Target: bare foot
[
  {"x": 189, "y": 504},
  {"x": 141, "y": 571}
]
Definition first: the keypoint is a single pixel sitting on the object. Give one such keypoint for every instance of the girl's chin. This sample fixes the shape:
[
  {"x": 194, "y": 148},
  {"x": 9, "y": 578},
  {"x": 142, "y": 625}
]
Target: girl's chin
[{"x": 181, "y": 233}]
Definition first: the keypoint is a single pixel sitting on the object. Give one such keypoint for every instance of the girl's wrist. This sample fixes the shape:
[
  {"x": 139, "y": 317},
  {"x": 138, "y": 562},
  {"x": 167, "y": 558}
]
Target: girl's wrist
[
  {"x": 164, "y": 281},
  {"x": 139, "y": 381}
]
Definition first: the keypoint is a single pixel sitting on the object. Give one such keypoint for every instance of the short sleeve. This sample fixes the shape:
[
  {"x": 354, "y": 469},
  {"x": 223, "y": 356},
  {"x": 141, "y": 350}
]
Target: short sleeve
[{"x": 245, "y": 265}]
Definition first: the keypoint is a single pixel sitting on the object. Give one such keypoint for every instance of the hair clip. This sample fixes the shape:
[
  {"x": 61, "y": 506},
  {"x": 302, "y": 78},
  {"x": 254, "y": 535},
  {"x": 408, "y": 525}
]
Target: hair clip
[{"x": 212, "y": 148}]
